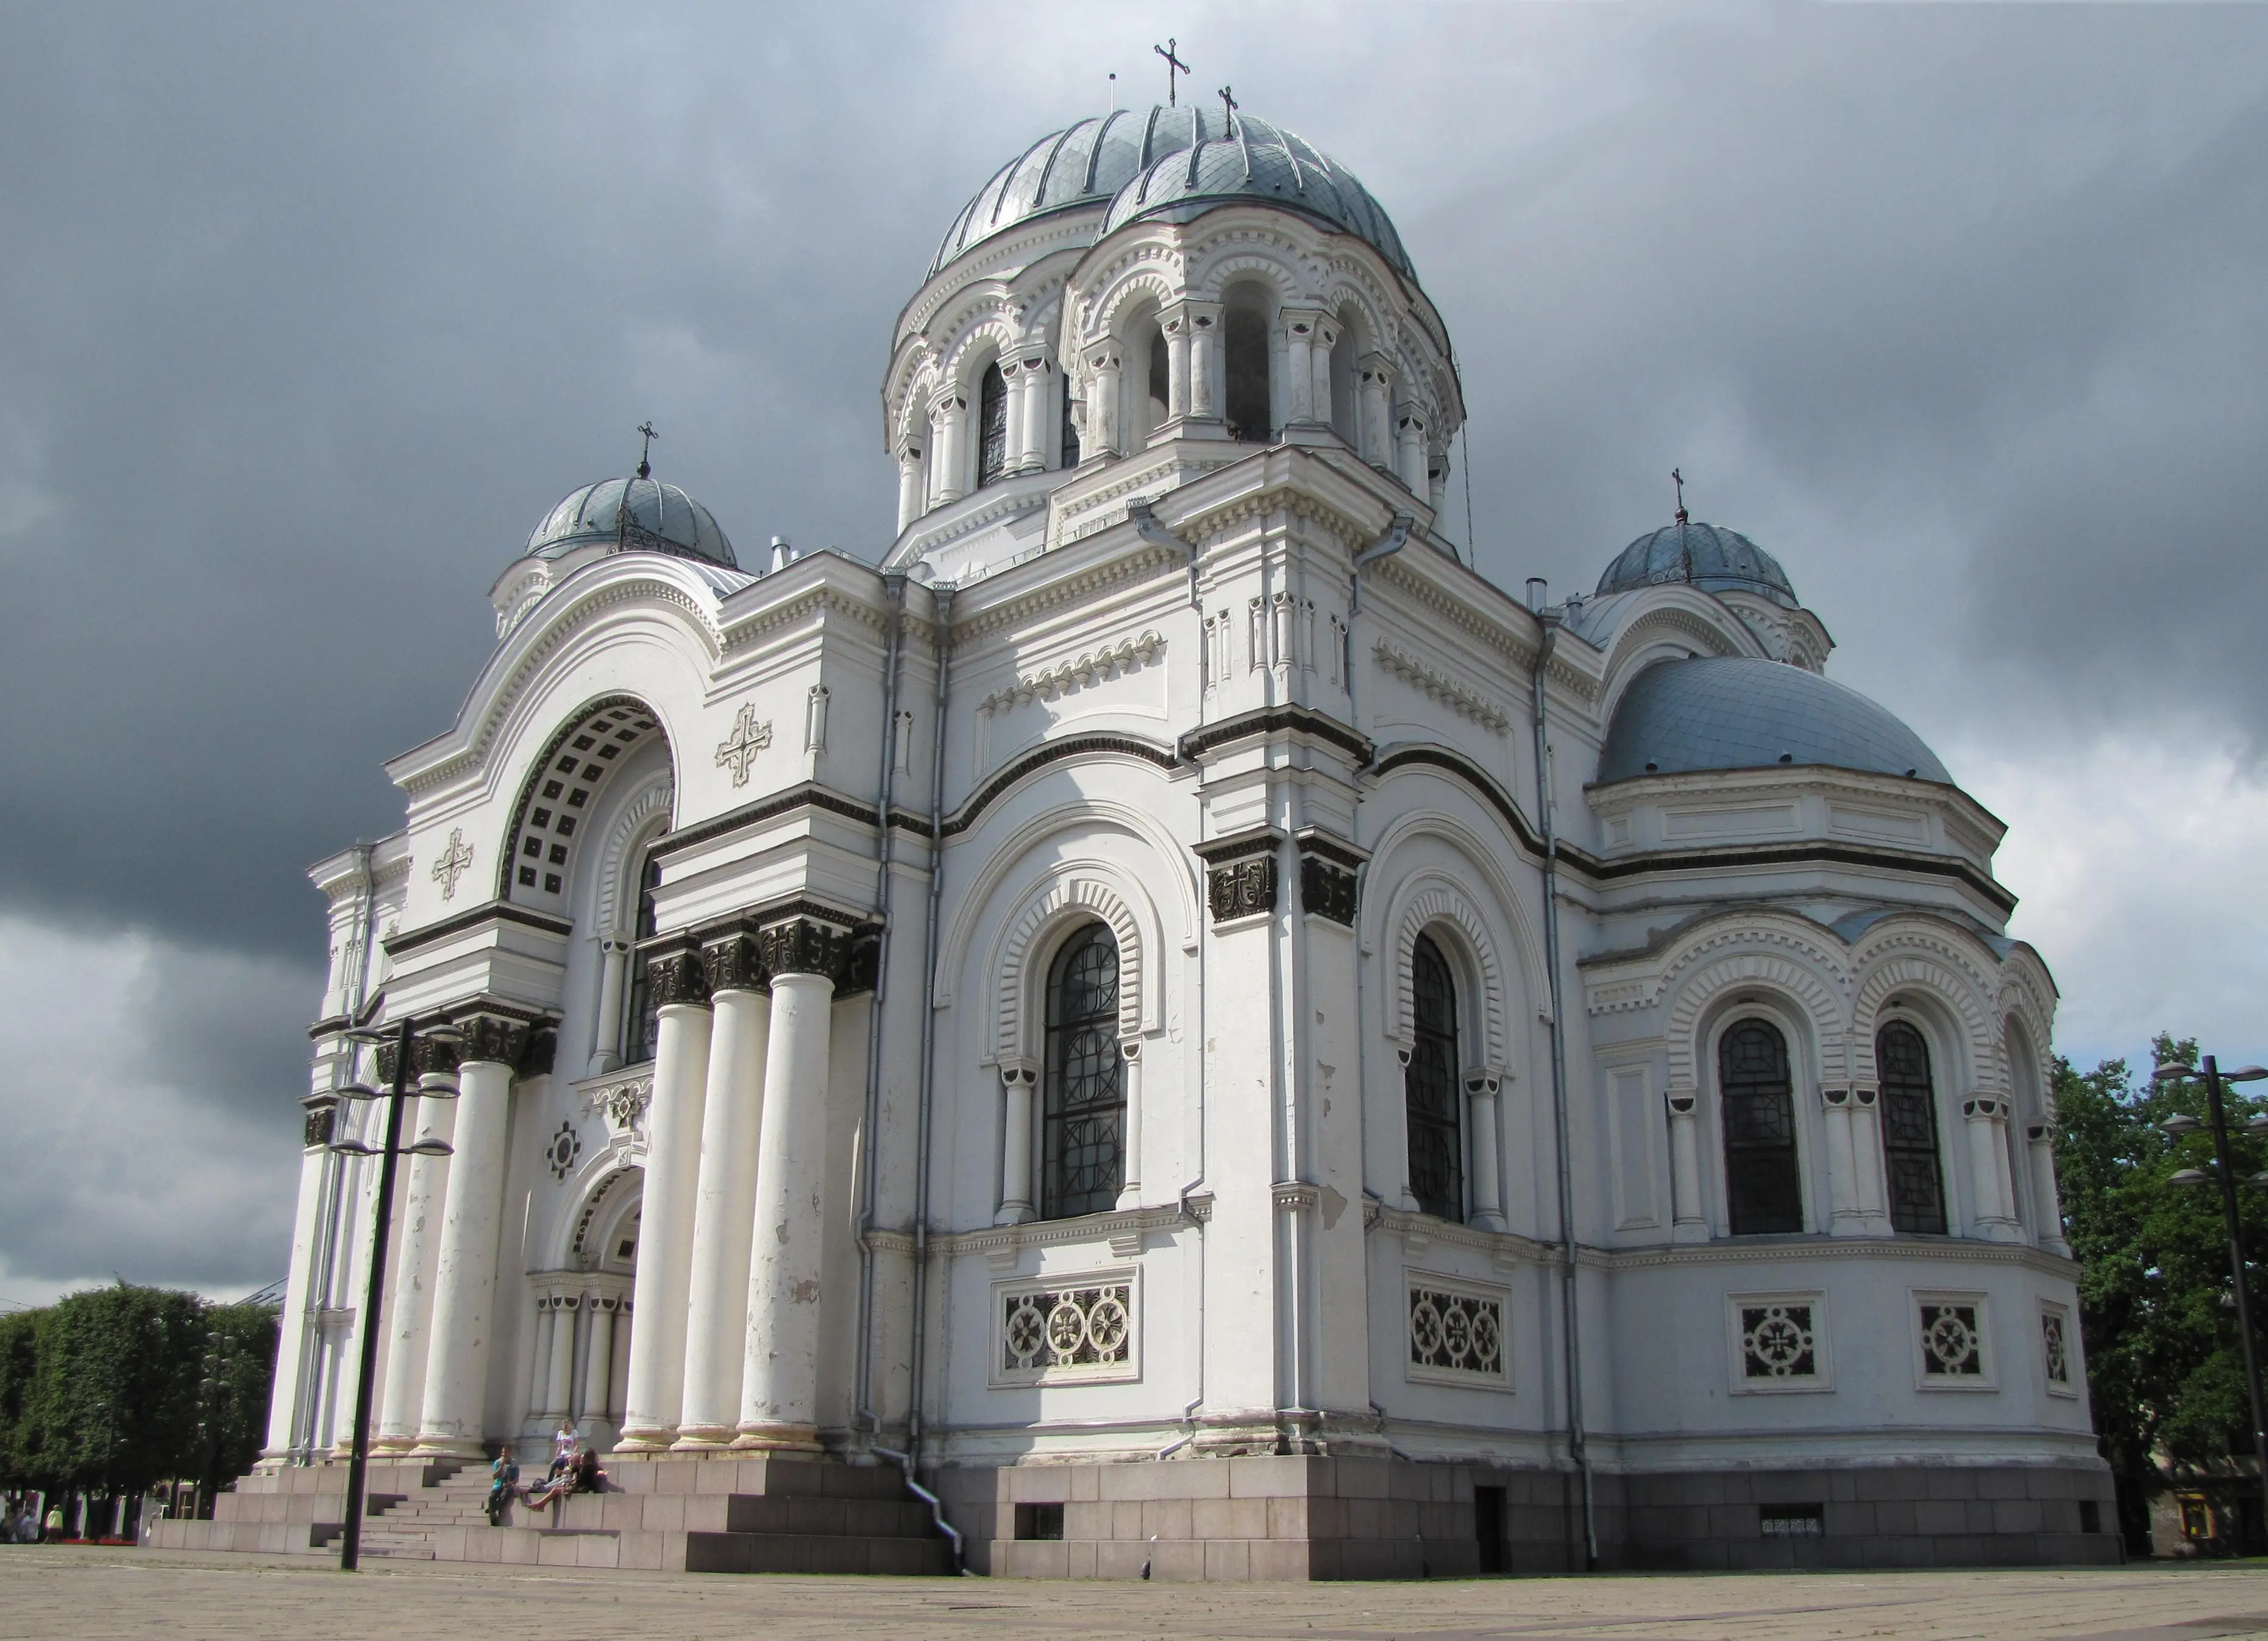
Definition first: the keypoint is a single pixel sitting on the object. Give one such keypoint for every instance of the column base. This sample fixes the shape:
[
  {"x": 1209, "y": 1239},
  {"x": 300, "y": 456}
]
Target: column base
[
  {"x": 702, "y": 1438},
  {"x": 1688, "y": 1231},
  {"x": 777, "y": 1438},
  {"x": 644, "y": 1444},
  {"x": 2000, "y": 1231},
  {"x": 448, "y": 1447},
  {"x": 1015, "y": 1214}
]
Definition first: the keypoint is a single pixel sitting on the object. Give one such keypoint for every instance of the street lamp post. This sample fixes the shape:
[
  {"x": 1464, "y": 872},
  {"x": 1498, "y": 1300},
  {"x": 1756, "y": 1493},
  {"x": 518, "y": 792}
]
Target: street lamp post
[
  {"x": 358, "y": 1467},
  {"x": 2225, "y": 1173}
]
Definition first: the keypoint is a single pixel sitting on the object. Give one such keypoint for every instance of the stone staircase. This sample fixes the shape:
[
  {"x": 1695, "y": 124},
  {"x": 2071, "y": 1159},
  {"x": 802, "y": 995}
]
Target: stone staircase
[{"x": 724, "y": 1514}]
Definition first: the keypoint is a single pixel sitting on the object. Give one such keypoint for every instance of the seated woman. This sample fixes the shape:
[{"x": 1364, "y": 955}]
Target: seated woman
[{"x": 579, "y": 1475}]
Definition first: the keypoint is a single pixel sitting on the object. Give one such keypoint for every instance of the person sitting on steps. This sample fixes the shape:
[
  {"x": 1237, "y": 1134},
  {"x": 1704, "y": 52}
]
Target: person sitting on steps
[{"x": 504, "y": 1483}]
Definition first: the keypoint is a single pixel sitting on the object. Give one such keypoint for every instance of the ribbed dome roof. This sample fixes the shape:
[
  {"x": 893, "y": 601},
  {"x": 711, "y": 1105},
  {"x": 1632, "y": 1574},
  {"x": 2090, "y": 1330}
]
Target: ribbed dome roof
[
  {"x": 1254, "y": 160},
  {"x": 1743, "y": 712},
  {"x": 1169, "y": 162},
  {"x": 643, "y": 513},
  {"x": 1714, "y": 560}
]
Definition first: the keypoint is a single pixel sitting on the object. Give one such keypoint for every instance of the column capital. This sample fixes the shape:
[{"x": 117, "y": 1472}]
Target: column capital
[
  {"x": 733, "y": 964},
  {"x": 804, "y": 945},
  {"x": 674, "y": 975}
]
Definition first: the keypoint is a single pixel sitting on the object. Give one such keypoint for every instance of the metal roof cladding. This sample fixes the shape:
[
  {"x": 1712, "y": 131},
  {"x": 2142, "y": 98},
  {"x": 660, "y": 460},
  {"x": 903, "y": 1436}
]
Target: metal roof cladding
[
  {"x": 632, "y": 512},
  {"x": 1174, "y": 163},
  {"x": 1743, "y": 712},
  {"x": 1714, "y": 560}
]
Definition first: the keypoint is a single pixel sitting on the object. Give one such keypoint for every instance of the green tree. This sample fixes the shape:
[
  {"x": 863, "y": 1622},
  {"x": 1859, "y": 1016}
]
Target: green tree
[
  {"x": 113, "y": 1401},
  {"x": 19, "y": 1356},
  {"x": 239, "y": 1367},
  {"x": 2164, "y": 1363}
]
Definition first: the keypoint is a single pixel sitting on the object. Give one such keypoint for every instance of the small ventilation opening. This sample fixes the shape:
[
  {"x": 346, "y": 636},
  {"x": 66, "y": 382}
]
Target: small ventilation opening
[
  {"x": 1488, "y": 1526},
  {"x": 1039, "y": 1521},
  {"x": 1794, "y": 1521},
  {"x": 2090, "y": 1515}
]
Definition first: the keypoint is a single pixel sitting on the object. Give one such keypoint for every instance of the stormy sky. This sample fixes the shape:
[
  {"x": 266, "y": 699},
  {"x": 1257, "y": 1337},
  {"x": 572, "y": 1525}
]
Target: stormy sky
[{"x": 308, "y": 316}]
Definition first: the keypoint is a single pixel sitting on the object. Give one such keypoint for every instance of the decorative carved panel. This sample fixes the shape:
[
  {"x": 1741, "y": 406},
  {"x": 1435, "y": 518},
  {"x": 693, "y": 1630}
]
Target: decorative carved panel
[
  {"x": 1078, "y": 1329},
  {"x": 1779, "y": 1342},
  {"x": 1457, "y": 1333}
]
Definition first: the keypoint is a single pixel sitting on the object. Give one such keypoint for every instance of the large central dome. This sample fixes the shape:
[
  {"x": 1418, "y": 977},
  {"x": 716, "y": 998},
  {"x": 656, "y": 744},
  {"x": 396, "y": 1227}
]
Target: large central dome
[{"x": 1174, "y": 163}]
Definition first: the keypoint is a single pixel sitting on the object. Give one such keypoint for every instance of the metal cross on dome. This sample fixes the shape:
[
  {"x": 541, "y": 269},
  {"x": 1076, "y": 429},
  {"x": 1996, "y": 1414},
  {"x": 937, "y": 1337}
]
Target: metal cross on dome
[
  {"x": 1174, "y": 69},
  {"x": 740, "y": 748},
  {"x": 645, "y": 431},
  {"x": 451, "y": 863},
  {"x": 1229, "y": 106}
]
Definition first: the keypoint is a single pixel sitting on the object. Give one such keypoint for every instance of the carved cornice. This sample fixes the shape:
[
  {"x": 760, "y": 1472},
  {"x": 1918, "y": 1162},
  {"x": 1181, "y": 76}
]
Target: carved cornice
[
  {"x": 1095, "y": 1228},
  {"x": 1482, "y": 783},
  {"x": 1515, "y": 645},
  {"x": 492, "y": 912},
  {"x": 1459, "y": 698},
  {"x": 1129, "y": 655},
  {"x": 1039, "y": 758},
  {"x": 795, "y": 799},
  {"x": 821, "y": 601}
]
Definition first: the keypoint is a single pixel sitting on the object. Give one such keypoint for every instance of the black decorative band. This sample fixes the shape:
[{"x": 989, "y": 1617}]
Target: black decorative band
[
  {"x": 675, "y": 976},
  {"x": 1240, "y": 888},
  {"x": 1264, "y": 721},
  {"x": 1326, "y": 889}
]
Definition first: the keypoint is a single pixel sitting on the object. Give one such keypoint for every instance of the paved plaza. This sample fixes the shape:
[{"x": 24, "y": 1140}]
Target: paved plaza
[{"x": 86, "y": 1595}]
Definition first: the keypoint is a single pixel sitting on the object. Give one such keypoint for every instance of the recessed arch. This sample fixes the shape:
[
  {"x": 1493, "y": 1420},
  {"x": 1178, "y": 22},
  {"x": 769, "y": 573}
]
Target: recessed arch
[
  {"x": 1430, "y": 902},
  {"x": 645, "y": 818},
  {"x": 560, "y": 793},
  {"x": 1031, "y": 934}
]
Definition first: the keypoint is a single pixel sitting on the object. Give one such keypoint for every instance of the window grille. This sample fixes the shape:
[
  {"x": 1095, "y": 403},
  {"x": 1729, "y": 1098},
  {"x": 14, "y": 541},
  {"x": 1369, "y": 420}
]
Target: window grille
[
  {"x": 1085, "y": 1121},
  {"x": 1909, "y": 1131},
  {"x": 639, "y": 1019},
  {"x": 992, "y": 424},
  {"x": 1430, "y": 1086},
  {"x": 1763, "y": 1184}
]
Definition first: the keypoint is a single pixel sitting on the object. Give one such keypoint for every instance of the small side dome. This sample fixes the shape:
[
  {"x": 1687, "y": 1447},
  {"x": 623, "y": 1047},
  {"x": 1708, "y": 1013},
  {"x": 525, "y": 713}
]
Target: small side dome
[
  {"x": 1702, "y": 554},
  {"x": 1253, "y": 161},
  {"x": 628, "y": 513},
  {"x": 1742, "y": 712}
]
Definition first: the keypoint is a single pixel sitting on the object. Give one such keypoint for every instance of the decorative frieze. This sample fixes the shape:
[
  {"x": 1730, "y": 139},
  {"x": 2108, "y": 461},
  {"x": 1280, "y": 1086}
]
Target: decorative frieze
[
  {"x": 1328, "y": 879},
  {"x": 1079, "y": 1329},
  {"x": 1457, "y": 1333},
  {"x": 1240, "y": 875}
]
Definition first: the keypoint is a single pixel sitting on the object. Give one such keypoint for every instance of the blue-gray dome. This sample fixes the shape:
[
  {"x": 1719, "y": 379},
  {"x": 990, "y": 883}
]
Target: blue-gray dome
[
  {"x": 1714, "y": 560},
  {"x": 1066, "y": 170},
  {"x": 1743, "y": 712},
  {"x": 1253, "y": 161},
  {"x": 1168, "y": 162},
  {"x": 632, "y": 513}
]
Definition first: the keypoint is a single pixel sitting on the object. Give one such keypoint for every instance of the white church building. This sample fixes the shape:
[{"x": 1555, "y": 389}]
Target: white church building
[{"x": 1167, "y": 1008}]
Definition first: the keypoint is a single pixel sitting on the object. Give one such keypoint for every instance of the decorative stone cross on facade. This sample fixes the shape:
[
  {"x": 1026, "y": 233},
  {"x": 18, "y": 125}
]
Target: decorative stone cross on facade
[
  {"x": 740, "y": 748},
  {"x": 452, "y": 862}
]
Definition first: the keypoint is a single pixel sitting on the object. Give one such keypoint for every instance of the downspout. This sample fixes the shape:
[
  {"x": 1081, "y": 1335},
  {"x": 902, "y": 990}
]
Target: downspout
[
  {"x": 894, "y": 589},
  {"x": 1146, "y": 525},
  {"x": 1571, "y": 1327},
  {"x": 942, "y": 625}
]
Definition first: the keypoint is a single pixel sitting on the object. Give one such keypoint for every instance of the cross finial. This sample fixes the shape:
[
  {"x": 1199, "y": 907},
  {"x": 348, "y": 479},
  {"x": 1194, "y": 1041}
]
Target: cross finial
[
  {"x": 1174, "y": 69},
  {"x": 646, "y": 431},
  {"x": 1678, "y": 478},
  {"x": 1228, "y": 108}
]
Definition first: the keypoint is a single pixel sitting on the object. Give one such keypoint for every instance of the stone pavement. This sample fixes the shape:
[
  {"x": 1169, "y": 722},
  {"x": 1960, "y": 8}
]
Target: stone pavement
[{"x": 87, "y": 1594}]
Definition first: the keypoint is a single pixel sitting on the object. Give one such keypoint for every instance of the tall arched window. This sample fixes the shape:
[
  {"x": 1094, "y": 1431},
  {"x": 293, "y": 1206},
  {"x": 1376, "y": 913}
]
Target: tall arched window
[
  {"x": 1429, "y": 1085},
  {"x": 1161, "y": 382},
  {"x": 1083, "y": 1150},
  {"x": 1070, "y": 427},
  {"x": 1245, "y": 368},
  {"x": 638, "y": 1010},
  {"x": 1909, "y": 1131},
  {"x": 992, "y": 425},
  {"x": 1763, "y": 1184}
]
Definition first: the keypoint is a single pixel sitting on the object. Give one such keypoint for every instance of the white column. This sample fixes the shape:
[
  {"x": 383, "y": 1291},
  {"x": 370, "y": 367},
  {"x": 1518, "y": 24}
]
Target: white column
[
  {"x": 1988, "y": 1172},
  {"x": 949, "y": 418},
  {"x": 655, "y": 1392},
  {"x": 1129, "y": 1059},
  {"x": 1015, "y": 383},
  {"x": 1016, "y": 1082},
  {"x": 464, "y": 1276},
  {"x": 724, "y": 1213},
  {"x": 2047, "y": 1201},
  {"x": 1690, "y": 1222},
  {"x": 1175, "y": 323},
  {"x": 607, "y": 1042},
  {"x": 598, "y": 1379},
  {"x": 1410, "y": 447},
  {"x": 910, "y": 486},
  {"x": 1205, "y": 361},
  {"x": 1031, "y": 435},
  {"x": 1488, "y": 1190},
  {"x": 539, "y": 1376},
  {"x": 294, "y": 1393},
  {"x": 559, "y": 1382},
  {"x": 1374, "y": 389},
  {"x": 1319, "y": 357},
  {"x": 1103, "y": 418},
  {"x": 779, "y": 1396},
  {"x": 1874, "y": 1179},
  {"x": 419, "y": 1227},
  {"x": 1844, "y": 1216},
  {"x": 1298, "y": 367}
]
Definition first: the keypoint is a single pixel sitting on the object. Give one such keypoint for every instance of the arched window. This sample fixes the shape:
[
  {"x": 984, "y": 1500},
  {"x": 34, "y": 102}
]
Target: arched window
[
  {"x": 992, "y": 425},
  {"x": 1083, "y": 1154},
  {"x": 1161, "y": 381},
  {"x": 1244, "y": 342},
  {"x": 1763, "y": 1186},
  {"x": 1429, "y": 1085},
  {"x": 1909, "y": 1131},
  {"x": 1070, "y": 427},
  {"x": 638, "y": 1015}
]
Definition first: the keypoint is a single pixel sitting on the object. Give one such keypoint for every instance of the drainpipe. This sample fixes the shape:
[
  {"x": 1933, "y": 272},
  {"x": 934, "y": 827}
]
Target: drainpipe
[
  {"x": 894, "y": 589},
  {"x": 1397, "y": 538},
  {"x": 1146, "y": 525},
  {"x": 942, "y": 597},
  {"x": 1577, "y": 1447}
]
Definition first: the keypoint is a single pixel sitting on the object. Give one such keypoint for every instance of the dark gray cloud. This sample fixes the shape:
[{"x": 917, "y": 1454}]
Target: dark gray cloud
[{"x": 308, "y": 316}]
